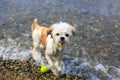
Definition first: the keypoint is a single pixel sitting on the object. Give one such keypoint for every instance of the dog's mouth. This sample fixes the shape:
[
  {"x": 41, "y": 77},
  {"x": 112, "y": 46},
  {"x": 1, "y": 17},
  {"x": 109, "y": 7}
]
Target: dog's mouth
[{"x": 62, "y": 42}]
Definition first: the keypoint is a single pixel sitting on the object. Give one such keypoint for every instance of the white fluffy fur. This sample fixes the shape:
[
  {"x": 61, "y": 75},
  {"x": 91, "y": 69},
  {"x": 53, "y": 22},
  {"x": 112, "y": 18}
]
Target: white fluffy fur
[{"x": 55, "y": 45}]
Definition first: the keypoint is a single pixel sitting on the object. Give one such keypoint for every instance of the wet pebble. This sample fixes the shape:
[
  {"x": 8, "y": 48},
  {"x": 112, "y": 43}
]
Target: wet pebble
[{"x": 27, "y": 70}]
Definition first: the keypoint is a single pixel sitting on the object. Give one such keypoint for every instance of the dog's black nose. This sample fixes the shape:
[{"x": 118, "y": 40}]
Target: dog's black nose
[{"x": 62, "y": 38}]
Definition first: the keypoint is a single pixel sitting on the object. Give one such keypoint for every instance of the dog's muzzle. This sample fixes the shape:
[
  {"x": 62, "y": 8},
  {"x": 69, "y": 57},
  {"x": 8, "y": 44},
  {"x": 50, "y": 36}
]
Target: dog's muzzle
[{"x": 62, "y": 40}]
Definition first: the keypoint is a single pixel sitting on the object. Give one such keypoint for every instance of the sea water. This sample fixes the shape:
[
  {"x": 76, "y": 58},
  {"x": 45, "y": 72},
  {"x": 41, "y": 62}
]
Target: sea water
[{"x": 80, "y": 66}]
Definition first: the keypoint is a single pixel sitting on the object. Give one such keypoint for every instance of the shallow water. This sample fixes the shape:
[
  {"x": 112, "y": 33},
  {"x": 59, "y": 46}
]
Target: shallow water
[{"x": 95, "y": 50}]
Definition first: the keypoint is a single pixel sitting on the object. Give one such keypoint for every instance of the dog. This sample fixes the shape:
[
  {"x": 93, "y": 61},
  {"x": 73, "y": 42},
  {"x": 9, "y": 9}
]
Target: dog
[{"x": 54, "y": 39}]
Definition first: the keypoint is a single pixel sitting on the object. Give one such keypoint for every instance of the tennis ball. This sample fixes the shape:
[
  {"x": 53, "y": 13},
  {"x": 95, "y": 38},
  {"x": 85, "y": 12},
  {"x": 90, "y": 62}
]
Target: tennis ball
[{"x": 44, "y": 69}]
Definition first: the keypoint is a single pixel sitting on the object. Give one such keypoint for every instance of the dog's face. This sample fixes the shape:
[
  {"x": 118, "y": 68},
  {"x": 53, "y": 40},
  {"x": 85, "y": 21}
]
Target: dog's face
[{"x": 62, "y": 33}]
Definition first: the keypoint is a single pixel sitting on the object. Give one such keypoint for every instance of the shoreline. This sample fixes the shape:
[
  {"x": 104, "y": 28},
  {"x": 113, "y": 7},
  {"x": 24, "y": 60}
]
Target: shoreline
[{"x": 27, "y": 70}]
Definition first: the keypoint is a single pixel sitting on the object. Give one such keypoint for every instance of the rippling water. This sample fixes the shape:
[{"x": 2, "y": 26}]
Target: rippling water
[{"x": 94, "y": 52}]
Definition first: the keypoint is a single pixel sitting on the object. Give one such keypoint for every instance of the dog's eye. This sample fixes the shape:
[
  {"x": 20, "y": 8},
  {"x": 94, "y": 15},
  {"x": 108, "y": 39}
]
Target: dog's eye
[
  {"x": 66, "y": 35},
  {"x": 57, "y": 34}
]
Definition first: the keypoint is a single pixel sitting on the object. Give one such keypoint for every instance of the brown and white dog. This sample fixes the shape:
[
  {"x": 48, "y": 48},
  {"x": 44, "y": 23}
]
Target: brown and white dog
[{"x": 54, "y": 39}]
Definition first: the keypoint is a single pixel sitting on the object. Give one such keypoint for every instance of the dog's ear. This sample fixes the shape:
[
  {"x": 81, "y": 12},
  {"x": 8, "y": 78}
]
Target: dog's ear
[
  {"x": 50, "y": 29},
  {"x": 35, "y": 24},
  {"x": 73, "y": 30}
]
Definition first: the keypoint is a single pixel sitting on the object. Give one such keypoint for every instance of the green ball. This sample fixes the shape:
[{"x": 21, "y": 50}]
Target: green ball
[{"x": 44, "y": 69}]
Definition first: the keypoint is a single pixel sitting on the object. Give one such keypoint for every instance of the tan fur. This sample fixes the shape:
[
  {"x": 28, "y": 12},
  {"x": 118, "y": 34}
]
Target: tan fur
[
  {"x": 73, "y": 30},
  {"x": 44, "y": 31},
  {"x": 54, "y": 39},
  {"x": 35, "y": 24},
  {"x": 44, "y": 35}
]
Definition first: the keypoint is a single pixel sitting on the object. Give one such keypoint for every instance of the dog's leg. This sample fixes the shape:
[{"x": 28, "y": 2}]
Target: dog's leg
[
  {"x": 35, "y": 50},
  {"x": 58, "y": 63},
  {"x": 36, "y": 44},
  {"x": 51, "y": 64}
]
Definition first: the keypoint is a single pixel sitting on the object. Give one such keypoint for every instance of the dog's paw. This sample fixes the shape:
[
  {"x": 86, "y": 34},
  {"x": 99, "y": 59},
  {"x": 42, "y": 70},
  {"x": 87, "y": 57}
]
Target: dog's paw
[
  {"x": 59, "y": 74},
  {"x": 34, "y": 57},
  {"x": 55, "y": 71}
]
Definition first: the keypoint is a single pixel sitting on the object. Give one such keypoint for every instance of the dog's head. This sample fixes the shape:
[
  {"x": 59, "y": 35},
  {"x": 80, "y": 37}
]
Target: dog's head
[{"x": 62, "y": 33}]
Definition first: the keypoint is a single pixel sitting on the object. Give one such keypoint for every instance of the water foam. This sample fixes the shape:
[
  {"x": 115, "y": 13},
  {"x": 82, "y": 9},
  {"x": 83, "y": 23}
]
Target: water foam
[
  {"x": 80, "y": 66},
  {"x": 14, "y": 50}
]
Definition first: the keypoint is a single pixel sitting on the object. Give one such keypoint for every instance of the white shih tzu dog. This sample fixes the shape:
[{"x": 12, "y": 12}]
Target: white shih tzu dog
[{"x": 54, "y": 39}]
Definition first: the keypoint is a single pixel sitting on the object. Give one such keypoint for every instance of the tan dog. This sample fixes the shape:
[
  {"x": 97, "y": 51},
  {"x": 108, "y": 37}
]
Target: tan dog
[{"x": 54, "y": 39}]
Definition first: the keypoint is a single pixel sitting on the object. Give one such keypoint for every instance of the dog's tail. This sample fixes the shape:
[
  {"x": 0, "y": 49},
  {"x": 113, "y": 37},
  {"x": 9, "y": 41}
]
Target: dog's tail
[{"x": 35, "y": 24}]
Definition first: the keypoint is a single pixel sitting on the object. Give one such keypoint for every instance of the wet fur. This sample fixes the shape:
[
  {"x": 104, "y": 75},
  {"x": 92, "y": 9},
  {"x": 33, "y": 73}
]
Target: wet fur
[{"x": 47, "y": 38}]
